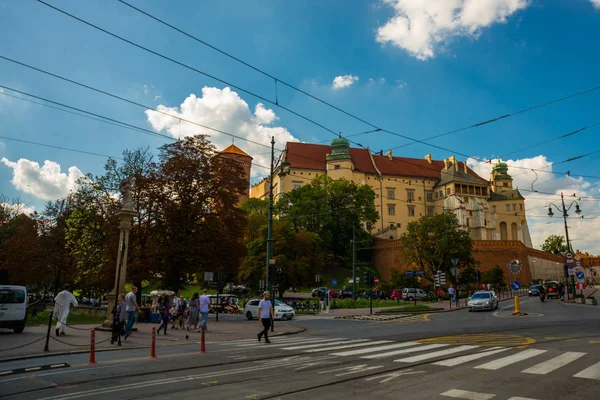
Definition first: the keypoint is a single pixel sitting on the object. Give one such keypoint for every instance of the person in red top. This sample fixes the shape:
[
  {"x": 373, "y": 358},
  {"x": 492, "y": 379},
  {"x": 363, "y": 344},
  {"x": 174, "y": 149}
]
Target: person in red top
[{"x": 439, "y": 294}]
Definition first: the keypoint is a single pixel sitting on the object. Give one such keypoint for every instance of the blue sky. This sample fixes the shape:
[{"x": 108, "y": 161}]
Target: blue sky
[{"x": 419, "y": 68}]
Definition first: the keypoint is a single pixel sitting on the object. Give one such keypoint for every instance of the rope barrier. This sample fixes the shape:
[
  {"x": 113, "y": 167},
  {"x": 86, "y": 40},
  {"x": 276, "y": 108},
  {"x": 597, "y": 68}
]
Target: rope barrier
[
  {"x": 23, "y": 345},
  {"x": 74, "y": 327}
]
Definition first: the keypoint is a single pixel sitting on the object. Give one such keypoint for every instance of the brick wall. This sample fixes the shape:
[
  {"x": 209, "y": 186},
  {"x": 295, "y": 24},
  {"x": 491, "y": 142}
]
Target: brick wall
[{"x": 536, "y": 264}]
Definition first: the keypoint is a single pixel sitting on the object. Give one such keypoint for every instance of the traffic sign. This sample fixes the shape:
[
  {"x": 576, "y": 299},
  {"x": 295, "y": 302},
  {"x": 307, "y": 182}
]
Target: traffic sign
[
  {"x": 580, "y": 276},
  {"x": 454, "y": 261},
  {"x": 376, "y": 280},
  {"x": 208, "y": 276},
  {"x": 578, "y": 263},
  {"x": 577, "y": 257},
  {"x": 569, "y": 256},
  {"x": 419, "y": 272},
  {"x": 515, "y": 266},
  {"x": 454, "y": 271},
  {"x": 571, "y": 271},
  {"x": 334, "y": 282},
  {"x": 515, "y": 285},
  {"x": 409, "y": 273}
]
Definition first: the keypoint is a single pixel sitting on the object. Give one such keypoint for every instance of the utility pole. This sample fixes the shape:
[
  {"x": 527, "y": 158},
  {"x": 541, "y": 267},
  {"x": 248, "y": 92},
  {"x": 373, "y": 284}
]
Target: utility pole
[
  {"x": 353, "y": 265},
  {"x": 269, "y": 286}
]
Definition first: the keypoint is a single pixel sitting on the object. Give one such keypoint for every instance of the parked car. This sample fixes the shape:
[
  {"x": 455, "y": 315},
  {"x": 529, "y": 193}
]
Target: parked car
[
  {"x": 551, "y": 289},
  {"x": 334, "y": 293},
  {"x": 319, "y": 292},
  {"x": 534, "y": 290},
  {"x": 13, "y": 307},
  {"x": 369, "y": 293},
  {"x": 411, "y": 294},
  {"x": 282, "y": 310},
  {"x": 396, "y": 294},
  {"x": 483, "y": 300},
  {"x": 345, "y": 294}
]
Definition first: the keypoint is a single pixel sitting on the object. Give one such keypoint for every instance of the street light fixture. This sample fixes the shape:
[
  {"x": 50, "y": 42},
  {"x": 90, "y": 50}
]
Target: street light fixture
[{"x": 564, "y": 211}]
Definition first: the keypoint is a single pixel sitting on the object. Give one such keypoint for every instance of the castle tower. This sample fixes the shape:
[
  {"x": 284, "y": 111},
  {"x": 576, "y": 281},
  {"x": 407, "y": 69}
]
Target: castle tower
[
  {"x": 499, "y": 177},
  {"x": 235, "y": 153},
  {"x": 339, "y": 161}
]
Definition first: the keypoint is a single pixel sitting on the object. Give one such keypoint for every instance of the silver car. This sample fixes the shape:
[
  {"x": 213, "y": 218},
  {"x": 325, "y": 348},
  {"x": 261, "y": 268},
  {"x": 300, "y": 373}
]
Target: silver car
[{"x": 483, "y": 301}]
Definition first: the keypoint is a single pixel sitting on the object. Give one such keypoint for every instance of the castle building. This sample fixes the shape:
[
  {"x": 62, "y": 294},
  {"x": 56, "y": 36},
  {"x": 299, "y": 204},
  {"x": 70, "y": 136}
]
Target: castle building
[
  {"x": 408, "y": 188},
  {"x": 236, "y": 154}
]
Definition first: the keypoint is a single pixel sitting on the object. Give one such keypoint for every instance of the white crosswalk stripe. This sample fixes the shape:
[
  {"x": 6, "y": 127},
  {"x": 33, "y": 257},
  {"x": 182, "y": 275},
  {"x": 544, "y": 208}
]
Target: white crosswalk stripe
[
  {"x": 346, "y": 346},
  {"x": 289, "y": 343},
  {"x": 515, "y": 358},
  {"x": 554, "y": 364},
  {"x": 302, "y": 347},
  {"x": 436, "y": 354},
  {"x": 465, "y": 394},
  {"x": 404, "y": 351},
  {"x": 374, "y": 349},
  {"x": 470, "y": 357},
  {"x": 592, "y": 372}
]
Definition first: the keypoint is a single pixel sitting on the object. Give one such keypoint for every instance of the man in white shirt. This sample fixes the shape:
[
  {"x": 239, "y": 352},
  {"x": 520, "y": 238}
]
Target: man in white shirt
[
  {"x": 62, "y": 305},
  {"x": 131, "y": 307},
  {"x": 205, "y": 307},
  {"x": 265, "y": 316}
]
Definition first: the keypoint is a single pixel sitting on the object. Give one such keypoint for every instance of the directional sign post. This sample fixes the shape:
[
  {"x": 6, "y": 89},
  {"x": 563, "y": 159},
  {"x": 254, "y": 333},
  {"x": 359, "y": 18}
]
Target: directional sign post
[
  {"x": 409, "y": 273},
  {"x": 516, "y": 285},
  {"x": 580, "y": 276}
]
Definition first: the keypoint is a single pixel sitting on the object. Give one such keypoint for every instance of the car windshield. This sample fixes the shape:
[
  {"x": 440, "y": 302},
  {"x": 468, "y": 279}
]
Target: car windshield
[
  {"x": 536, "y": 286},
  {"x": 481, "y": 296},
  {"x": 12, "y": 296},
  {"x": 280, "y": 303}
]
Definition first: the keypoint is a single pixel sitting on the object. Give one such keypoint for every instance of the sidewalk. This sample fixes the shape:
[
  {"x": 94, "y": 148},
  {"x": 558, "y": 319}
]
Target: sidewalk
[{"x": 77, "y": 338}]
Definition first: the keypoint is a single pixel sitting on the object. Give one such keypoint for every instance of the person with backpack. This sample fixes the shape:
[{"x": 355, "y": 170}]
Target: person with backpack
[{"x": 164, "y": 309}]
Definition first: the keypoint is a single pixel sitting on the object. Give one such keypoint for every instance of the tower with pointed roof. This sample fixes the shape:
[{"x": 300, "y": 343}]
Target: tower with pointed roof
[
  {"x": 238, "y": 155},
  {"x": 339, "y": 161}
]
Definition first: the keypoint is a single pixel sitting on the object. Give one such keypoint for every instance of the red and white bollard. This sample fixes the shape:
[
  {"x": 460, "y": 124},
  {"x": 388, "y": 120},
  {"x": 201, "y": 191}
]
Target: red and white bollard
[
  {"x": 153, "y": 346},
  {"x": 93, "y": 346},
  {"x": 202, "y": 341}
]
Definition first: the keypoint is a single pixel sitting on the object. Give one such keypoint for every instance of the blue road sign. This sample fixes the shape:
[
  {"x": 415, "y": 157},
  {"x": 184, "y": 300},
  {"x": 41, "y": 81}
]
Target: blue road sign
[
  {"x": 334, "y": 282},
  {"x": 580, "y": 275},
  {"x": 420, "y": 272},
  {"x": 515, "y": 285},
  {"x": 409, "y": 273}
]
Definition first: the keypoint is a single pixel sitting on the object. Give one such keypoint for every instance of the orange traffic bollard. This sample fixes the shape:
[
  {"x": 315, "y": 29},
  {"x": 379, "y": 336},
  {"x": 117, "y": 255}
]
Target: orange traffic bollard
[
  {"x": 93, "y": 346},
  {"x": 153, "y": 347},
  {"x": 202, "y": 341}
]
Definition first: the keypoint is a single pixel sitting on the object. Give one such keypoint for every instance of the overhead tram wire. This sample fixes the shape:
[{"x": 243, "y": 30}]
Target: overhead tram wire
[
  {"x": 354, "y": 116},
  {"x": 60, "y": 147}
]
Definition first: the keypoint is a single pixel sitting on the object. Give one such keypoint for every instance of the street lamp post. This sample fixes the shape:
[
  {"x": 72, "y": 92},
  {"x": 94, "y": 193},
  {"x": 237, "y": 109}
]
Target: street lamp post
[
  {"x": 564, "y": 211},
  {"x": 284, "y": 170}
]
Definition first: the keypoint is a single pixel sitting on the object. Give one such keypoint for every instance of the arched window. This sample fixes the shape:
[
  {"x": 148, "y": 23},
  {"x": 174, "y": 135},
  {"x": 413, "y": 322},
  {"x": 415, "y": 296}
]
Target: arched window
[
  {"x": 503, "y": 231},
  {"x": 514, "y": 232}
]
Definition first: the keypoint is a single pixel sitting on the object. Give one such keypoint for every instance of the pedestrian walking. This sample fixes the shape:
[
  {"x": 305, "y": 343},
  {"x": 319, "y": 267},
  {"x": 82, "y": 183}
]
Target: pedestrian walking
[
  {"x": 451, "y": 294},
  {"x": 62, "y": 305},
  {"x": 121, "y": 316},
  {"x": 131, "y": 307},
  {"x": 205, "y": 307},
  {"x": 322, "y": 302},
  {"x": 561, "y": 290},
  {"x": 164, "y": 308},
  {"x": 265, "y": 316},
  {"x": 193, "y": 312},
  {"x": 439, "y": 294}
]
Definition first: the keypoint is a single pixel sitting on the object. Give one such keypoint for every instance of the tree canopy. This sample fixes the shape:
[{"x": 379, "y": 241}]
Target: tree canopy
[{"x": 555, "y": 244}]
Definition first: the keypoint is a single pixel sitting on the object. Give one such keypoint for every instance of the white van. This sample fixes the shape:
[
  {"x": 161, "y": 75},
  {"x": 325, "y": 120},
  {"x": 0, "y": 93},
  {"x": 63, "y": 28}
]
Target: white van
[{"x": 13, "y": 307}]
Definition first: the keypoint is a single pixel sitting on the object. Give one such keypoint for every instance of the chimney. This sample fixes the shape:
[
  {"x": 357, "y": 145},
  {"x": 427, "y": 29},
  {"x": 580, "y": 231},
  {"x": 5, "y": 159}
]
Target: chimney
[
  {"x": 453, "y": 161},
  {"x": 428, "y": 158},
  {"x": 389, "y": 154},
  {"x": 465, "y": 167},
  {"x": 445, "y": 164}
]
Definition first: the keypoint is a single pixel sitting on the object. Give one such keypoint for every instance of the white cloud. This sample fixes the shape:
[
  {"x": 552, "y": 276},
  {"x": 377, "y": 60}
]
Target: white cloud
[
  {"x": 596, "y": 3},
  {"x": 343, "y": 81},
  {"x": 226, "y": 111},
  {"x": 382, "y": 81},
  {"x": 421, "y": 26},
  {"x": 584, "y": 233},
  {"x": 46, "y": 182},
  {"x": 400, "y": 84}
]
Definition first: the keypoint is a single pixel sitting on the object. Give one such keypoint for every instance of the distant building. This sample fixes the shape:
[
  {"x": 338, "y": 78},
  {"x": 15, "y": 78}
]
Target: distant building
[
  {"x": 408, "y": 188},
  {"x": 235, "y": 153}
]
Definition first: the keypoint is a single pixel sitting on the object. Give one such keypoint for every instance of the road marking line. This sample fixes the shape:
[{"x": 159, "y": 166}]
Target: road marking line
[
  {"x": 505, "y": 361},
  {"x": 392, "y": 375},
  {"x": 325, "y": 344},
  {"x": 461, "y": 360},
  {"x": 555, "y": 363},
  {"x": 521, "y": 398},
  {"x": 32, "y": 369},
  {"x": 411, "y": 350},
  {"x": 435, "y": 354},
  {"x": 289, "y": 343},
  {"x": 280, "y": 339},
  {"x": 592, "y": 372},
  {"x": 375, "y": 349},
  {"x": 348, "y": 346},
  {"x": 465, "y": 394},
  {"x": 353, "y": 369}
]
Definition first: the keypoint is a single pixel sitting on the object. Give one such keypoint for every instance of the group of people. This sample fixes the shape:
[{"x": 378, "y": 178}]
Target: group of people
[{"x": 180, "y": 312}]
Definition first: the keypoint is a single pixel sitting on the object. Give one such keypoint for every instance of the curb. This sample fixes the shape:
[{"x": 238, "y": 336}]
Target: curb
[
  {"x": 71, "y": 352},
  {"x": 366, "y": 317}
]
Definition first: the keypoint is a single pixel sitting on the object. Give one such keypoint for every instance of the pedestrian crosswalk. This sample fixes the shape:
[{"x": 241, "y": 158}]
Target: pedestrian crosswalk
[{"x": 534, "y": 361}]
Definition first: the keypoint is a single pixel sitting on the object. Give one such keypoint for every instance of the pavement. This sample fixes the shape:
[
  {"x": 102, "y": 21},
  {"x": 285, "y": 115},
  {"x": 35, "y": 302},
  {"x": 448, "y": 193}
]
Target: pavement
[
  {"x": 553, "y": 352},
  {"x": 32, "y": 341}
]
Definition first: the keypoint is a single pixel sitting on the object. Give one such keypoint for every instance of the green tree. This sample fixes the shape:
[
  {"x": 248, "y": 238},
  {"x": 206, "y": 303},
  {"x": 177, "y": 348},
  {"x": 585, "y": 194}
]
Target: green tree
[
  {"x": 555, "y": 244},
  {"x": 493, "y": 276},
  {"x": 468, "y": 275},
  {"x": 21, "y": 254},
  {"x": 435, "y": 241},
  {"x": 332, "y": 209}
]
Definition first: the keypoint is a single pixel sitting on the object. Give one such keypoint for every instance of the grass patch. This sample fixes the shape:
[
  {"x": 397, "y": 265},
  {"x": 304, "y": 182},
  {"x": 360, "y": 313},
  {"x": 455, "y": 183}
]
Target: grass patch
[
  {"x": 41, "y": 318},
  {"x": 408, "y": 309},
  {"x": 364, "y": 303}
]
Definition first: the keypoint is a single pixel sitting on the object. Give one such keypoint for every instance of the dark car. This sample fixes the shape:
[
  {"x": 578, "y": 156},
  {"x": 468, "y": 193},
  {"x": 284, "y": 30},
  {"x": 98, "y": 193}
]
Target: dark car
[
  {"x": 345, "y": 294},
  {"x": 369, "y": 293},
  {"x": 534, "y": 290},
  {"x": 551, "y": 289},
  {"x": 319, "y": 292}
]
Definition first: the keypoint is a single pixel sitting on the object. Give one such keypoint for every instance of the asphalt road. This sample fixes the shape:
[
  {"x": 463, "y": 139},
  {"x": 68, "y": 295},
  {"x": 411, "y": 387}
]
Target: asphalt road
[{"x": 553, "y": 352}]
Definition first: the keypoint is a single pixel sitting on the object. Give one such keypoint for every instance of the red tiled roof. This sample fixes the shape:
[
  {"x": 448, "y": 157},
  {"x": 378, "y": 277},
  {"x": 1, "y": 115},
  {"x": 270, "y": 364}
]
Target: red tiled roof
[
  {"x": 233, "y": 149},
  {"x": 314, "y": 156}
]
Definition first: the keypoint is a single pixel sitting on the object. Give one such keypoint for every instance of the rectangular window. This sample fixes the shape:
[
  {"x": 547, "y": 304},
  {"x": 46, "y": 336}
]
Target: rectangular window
[
  {"x": 429, "y": 196},
  {"x": 411, "y": 211},
  {"x": 297, "y": 184},
  {"x": 391, "y": 193},
  {"x": 514, "y": 207},
  {"x": 441, "y": 193},
  {"x": 391, "y": 209},
  {"x": 508, "y": 207},
  {"x": 521, "y": 207},
  {"x": 494, "y": 209},
  {"x": 410, "y": 195},
  {"x": 429, "y": 211}
]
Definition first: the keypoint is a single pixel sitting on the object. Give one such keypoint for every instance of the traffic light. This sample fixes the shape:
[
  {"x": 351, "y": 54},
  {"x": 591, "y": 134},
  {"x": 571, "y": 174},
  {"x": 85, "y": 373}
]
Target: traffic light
[
  {"x": 366, "y": 277},
  {"x": 274, "y": 274}
]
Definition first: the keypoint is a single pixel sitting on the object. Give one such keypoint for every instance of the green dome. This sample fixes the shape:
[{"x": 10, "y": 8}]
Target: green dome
[
  {"x": 340, "y": 149},
  {"x": 340, "y": 141},
  {"x": 500, "y": 170}
]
